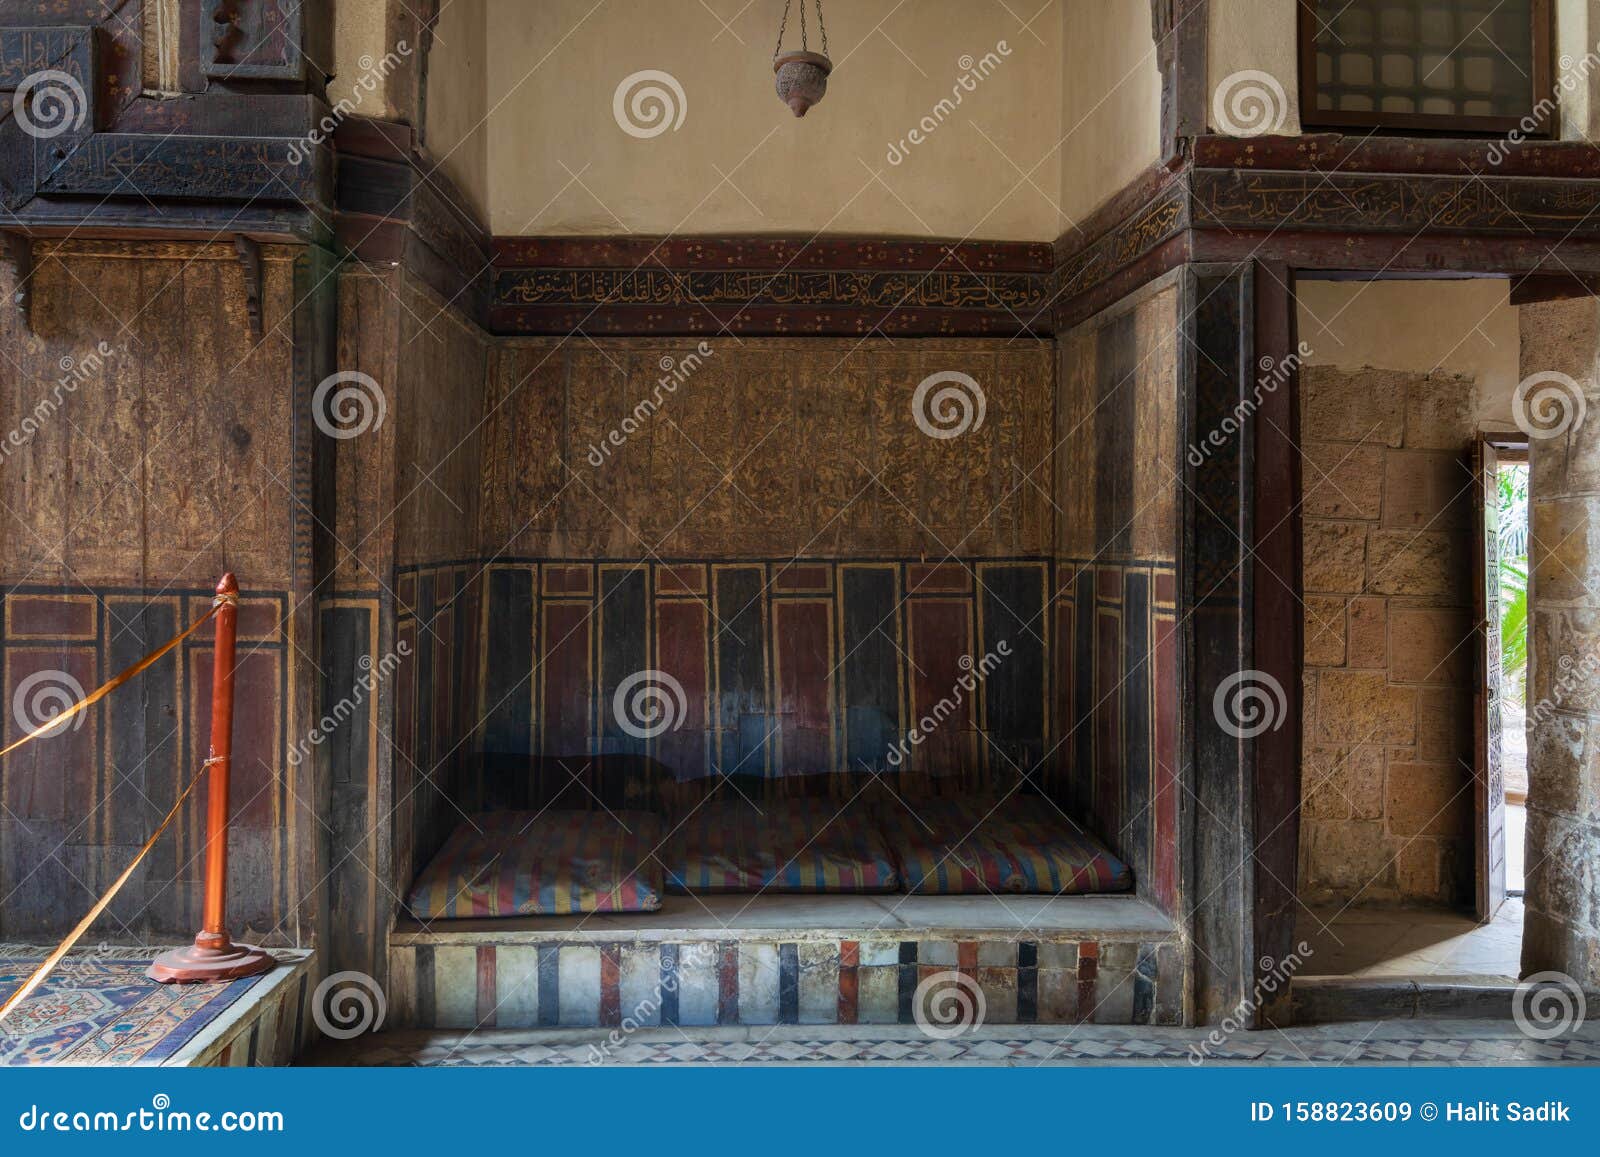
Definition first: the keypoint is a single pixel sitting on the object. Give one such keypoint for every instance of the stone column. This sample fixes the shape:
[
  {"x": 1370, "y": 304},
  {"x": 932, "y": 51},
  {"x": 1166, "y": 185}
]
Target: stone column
[{"x": 1563, "y": 849}]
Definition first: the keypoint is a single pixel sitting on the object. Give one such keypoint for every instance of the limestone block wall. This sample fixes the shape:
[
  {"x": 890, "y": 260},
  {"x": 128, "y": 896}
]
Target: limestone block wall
[
  {"x": 1562, "y": 929},
  {"x": 1386, "y": 774}
]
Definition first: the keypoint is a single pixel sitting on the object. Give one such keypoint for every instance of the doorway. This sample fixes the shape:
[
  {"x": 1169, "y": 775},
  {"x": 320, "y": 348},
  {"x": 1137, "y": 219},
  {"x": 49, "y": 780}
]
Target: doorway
[
  {"x": 1511, "y": 629},
  {"x": 1402, "y": 774}
]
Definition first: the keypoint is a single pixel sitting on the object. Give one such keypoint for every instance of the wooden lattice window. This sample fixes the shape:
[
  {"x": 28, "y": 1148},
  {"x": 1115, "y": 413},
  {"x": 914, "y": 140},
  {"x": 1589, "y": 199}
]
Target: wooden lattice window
[{"x": 1474, "y": 66}]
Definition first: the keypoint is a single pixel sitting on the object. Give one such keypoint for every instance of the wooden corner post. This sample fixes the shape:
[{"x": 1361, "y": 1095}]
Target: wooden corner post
[{"x": 213, "y": 956}]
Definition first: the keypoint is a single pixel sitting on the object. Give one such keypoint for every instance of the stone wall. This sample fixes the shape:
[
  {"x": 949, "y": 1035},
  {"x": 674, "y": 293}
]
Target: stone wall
[
  {"x": 1562, "y": 931},
  {"x": 1386, "y": 775}
]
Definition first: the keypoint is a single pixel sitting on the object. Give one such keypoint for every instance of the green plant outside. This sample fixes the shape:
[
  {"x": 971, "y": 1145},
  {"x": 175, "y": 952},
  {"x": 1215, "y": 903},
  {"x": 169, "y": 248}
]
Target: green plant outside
[{"x": 1512, "y": 530}]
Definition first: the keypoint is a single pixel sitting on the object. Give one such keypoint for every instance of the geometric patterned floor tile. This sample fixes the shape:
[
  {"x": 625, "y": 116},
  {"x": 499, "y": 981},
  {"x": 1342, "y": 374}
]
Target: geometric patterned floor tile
[{"x": 1411, "y": 1042}]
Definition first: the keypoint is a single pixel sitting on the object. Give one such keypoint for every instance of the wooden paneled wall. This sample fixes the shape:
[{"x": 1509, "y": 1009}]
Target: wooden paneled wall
[
  {"x": 381, "y": 568},
  {"x": 1117, "y": 486},
  {"x": 148, "y": 442},
  {"x": 399, "y": 631},
  {"x": 767, "y": 446}
]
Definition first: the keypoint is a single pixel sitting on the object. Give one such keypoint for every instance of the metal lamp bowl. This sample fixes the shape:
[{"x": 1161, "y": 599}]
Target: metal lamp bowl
[{"x": 802, "y": 79}]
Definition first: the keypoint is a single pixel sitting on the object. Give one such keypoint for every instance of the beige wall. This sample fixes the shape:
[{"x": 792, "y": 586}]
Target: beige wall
[
  {"x": 989, "y": 169},
  {"x": 1066, "y": 112},
  {"x": 1253, "y": 35},
  {"x": 1464, "y": 327},
  {"x": 360, "y": 37},
  {"x": 1110, "y": 102},
  {"x": 456, "y": 135}
]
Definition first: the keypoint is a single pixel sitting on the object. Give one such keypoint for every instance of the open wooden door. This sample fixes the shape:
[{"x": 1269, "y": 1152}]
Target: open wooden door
[{"x": 1489, "y": 785}]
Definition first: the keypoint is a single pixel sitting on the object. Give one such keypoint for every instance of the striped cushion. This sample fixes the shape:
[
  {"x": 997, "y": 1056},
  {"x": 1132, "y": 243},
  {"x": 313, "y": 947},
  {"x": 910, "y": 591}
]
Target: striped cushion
[
  {"x": 1022, "y": 845},
  {"x": 793, "y": 845},
  {"x": 552, "y": 863}
]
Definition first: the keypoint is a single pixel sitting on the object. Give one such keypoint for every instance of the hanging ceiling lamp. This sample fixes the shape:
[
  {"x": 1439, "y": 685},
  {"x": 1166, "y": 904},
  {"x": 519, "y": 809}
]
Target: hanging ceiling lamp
[{"x": 802, "y": 77}]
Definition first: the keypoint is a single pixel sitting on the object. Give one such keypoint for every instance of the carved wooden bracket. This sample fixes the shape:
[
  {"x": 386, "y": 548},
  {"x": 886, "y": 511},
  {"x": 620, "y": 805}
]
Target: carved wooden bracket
[
  {"x": 19, "y": 250},
  {"x": 250, "y": 258}
]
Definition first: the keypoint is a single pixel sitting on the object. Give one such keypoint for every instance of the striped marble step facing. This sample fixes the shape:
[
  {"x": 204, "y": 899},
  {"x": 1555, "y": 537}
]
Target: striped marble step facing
[
  {"x": 1451, "y": 1043},
  {"x": 742, "y": 965}
]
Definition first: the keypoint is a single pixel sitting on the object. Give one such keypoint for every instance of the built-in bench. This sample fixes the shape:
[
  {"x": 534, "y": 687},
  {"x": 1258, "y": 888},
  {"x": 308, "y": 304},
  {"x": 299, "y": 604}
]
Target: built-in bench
[{"x": 776, "y": 959}]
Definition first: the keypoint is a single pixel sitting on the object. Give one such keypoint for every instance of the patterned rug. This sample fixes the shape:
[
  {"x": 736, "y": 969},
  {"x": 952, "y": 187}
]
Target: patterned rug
[{"x": 98, "y": 1008}]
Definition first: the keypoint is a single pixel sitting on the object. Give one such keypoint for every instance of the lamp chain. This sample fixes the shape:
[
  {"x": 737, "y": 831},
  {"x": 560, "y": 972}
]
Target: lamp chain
[{"x": 783, "y": 26}]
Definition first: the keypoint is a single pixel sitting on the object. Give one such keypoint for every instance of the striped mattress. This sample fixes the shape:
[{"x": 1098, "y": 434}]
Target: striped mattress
[
  {"x": 949, "y": 847},
  {"x": 791, "y": 845},
  {"x": 551, "y": 863}
]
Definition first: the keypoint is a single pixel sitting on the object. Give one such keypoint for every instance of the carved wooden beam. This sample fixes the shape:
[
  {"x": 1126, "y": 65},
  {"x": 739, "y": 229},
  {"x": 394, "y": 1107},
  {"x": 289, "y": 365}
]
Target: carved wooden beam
[
  {"x": 1409, "y": 206},
  {"x": 809, "y": 286},
  {"x": 65, "y": 157},
  {"x": 53, "y": 82},
  {"x": 1553, "y": 209}
]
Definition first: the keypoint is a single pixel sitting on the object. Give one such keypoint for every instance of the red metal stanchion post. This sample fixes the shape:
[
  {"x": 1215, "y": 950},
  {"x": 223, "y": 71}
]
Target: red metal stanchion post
[{"x": 213, "y": 956}]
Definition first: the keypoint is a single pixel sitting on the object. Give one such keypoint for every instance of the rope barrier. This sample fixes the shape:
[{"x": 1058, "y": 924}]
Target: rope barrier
[
  {"x": 49, "y": 964},
  {"x": 120, "y": 678},
  {"x": 49, "y": 725}
]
